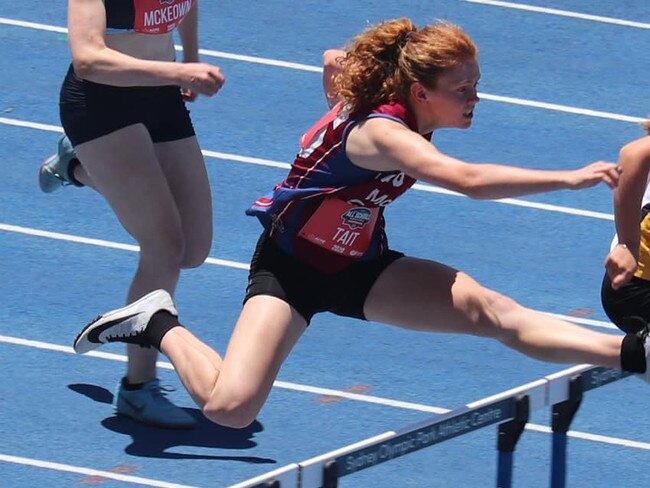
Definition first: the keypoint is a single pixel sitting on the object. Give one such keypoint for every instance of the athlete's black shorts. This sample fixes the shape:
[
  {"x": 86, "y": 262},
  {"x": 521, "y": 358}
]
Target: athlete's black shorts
[
  {"x": 309, "y": 291},
  {"x": 90, "y": 110},
  {"x": 629, "y": 306}
]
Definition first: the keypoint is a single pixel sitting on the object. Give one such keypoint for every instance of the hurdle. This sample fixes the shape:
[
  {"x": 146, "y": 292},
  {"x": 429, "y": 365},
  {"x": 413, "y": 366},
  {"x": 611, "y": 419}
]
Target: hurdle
[{"x": 509, "y": 410}]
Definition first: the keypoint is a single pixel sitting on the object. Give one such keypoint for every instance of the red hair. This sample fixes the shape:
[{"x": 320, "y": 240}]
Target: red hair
[{"x": 384, "y": 61}]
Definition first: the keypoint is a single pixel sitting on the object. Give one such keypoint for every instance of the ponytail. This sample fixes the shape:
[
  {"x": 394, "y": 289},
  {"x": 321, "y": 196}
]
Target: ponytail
[{"x": 370, "y": 74}]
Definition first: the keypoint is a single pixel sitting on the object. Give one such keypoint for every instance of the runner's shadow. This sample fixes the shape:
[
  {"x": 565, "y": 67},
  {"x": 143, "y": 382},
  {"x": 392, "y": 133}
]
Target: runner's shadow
[{"x": 153, "y": 442}]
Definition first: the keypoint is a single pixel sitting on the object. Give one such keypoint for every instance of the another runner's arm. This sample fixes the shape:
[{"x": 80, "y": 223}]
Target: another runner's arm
[
  {"x": 95, "y": 61},
  {"x": 634, "y": 162},
  {"x": 188, "y": 31},
  {"x": 382, "y": 144}
]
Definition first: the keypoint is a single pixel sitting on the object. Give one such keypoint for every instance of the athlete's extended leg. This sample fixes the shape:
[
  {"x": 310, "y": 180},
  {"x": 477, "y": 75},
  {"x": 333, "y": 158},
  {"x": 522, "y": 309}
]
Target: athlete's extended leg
[
  {"x": 230, "y": 391},
  {"x": 428, "y": 296},
  {"x": 233, "y": 392}
]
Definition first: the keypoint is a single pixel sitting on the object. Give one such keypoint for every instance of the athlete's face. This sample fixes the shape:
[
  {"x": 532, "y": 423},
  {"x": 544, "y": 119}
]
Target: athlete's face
[{"x": 451, "y": 102}]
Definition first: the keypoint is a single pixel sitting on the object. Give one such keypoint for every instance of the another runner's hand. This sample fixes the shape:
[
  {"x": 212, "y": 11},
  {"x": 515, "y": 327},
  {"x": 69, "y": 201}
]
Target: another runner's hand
[
  {"x": 188, "y": 95},
  {"x": 202, "y": 79},
  {"x": 620, "y": 266},
  {"x": 593, "y": 174}
]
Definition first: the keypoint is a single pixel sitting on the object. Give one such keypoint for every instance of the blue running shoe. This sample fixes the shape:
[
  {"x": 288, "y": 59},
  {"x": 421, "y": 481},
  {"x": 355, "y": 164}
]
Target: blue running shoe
[
  {"x": 149, "y": 405},
  {"x": 55, "y": 171},
  {"x": 126, "y": 324}
]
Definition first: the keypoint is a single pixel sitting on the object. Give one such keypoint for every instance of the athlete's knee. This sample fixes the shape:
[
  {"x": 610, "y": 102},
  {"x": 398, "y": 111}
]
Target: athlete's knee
[
  {"x": 166, "y": 246},
  {"x": 197, "y": 246},
  {"x": 195, "y": 255},
  {"x": 499, "y": 303},
  {"x": 490, "y": 309},
  {"x": 236, "y": 413}
]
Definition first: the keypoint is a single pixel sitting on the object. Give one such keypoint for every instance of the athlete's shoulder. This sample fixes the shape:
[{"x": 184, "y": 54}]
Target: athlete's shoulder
[{"x": 397, "y": 111}]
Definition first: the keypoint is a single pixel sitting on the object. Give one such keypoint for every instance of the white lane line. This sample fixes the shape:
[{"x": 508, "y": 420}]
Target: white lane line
[
  {"x": 418, "y": 186},
  {"x": 246, "y": 159},
  {"x": 317, "y": 69},
  {"x": 278, "y": 384},
  {"x": 33, "y": 25},
  {"x": 258, "y": 60},
  {"x": 337, "y": 393},
  {"x": 89, "y": 472},
  {"x": 218, "y": 262},
  {"x": 563, "y": 13},
  {"x": 583, "y": 321},
  {"x": 562, "y": 108},
  {"x": 31, "y": 125},
  {"x": 522, "y": 203},
  {"x": 614, "y": 441},
  {"x": 102, "y": 243},
  {"x": 204, "y": 52}
]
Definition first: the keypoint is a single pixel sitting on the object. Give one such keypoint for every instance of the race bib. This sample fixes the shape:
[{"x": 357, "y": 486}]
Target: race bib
[
  {"x": 159, "y": 16},
  {"x": 341, "y": 227}
]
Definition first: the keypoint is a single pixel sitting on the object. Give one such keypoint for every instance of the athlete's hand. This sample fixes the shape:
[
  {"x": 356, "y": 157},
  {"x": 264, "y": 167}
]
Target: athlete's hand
[
  {"x": 620, "y": 265},
  {"x": 201, "y": 78},
  {"x": 592, "y": 174},
  {"x": 188, "y": 95}
]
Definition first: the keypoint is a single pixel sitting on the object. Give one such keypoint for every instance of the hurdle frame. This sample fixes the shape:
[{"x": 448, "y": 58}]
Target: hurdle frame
[{"x": 562, "y": 391}]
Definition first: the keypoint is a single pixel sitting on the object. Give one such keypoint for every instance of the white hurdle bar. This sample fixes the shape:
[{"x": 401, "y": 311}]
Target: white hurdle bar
[{"x": 509, "y": 409}]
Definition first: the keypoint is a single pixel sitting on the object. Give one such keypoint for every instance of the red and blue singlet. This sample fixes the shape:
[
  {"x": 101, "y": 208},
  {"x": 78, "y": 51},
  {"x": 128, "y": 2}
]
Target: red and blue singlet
[{"x": 329, "y": 212}]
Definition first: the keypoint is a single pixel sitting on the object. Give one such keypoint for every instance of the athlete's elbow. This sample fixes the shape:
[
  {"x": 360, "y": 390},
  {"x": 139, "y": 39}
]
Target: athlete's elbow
[
  {"x": 467, "y": 180},
  {"x": 84, "y": 66},
  {"x": 86, "y": 61},
  {"x": 479, "y": 192},
  {"x": 471, "y": 187},
  {"x": 332, "y": 58}
]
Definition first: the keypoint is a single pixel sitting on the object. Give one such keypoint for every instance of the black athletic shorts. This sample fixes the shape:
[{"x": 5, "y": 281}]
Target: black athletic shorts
[
  {"x": 90, "y": 110},
  {"x": 629, "y": 306},
  {"x": 309, "y": 291}
]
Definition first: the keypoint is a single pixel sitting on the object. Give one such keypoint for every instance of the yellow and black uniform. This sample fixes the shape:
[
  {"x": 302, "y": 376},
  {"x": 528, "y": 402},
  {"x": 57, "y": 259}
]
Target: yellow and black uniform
[
  {"x": 629, "y": 306},
  {"x": 643, "y": 264}
]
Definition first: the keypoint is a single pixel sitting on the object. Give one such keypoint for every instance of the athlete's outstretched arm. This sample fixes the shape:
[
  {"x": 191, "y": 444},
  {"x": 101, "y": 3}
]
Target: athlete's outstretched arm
[{"x": 385, "y": 145}]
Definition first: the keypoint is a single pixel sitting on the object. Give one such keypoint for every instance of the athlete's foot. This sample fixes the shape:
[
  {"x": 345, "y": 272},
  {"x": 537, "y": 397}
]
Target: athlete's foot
[
  {"x": 150, "y": 405},
  {"x": 126, "y": 324},
  {"x": 56, "y": 171}
]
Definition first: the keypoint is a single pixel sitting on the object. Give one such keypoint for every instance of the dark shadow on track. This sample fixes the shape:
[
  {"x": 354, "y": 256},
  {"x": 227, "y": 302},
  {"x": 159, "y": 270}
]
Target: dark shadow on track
[{"x": 152, "y": 442}]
